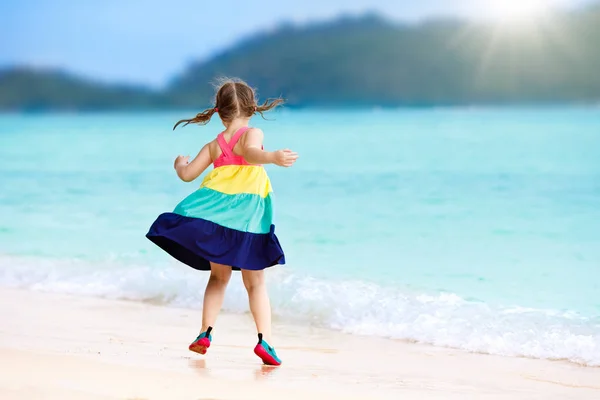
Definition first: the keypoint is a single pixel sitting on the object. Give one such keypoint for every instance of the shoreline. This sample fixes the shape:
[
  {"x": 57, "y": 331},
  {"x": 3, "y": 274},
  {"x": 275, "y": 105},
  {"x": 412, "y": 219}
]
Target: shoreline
[
  {"x": 68, "y": 347},
  {"x": 311, "y": 108}
]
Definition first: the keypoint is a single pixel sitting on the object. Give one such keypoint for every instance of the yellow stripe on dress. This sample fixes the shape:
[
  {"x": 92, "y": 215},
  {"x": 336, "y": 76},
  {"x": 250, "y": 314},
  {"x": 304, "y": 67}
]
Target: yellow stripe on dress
[{"x": 236, "y": 179}]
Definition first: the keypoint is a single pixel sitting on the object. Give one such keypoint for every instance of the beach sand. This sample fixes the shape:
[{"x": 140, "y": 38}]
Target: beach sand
[{"x": 55, "y": 346}]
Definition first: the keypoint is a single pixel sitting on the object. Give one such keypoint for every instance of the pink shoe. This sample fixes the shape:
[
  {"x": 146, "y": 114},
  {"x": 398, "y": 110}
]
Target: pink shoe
[
  {"x": 202, "y": 342},
  {"x": 265, "y": 352}
]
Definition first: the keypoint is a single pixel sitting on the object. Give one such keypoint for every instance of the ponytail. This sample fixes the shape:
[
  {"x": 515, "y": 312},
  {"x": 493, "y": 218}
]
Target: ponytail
[
  {"x": 268, "y": 105},
  {"x": 234, "y": 99},
  {"x": 200, "y": 118}
]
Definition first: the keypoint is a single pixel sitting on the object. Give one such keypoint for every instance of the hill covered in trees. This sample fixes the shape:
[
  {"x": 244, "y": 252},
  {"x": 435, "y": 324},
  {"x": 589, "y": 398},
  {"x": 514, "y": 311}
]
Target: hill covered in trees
[
  {"x": 365, "y": 61},
  {"x": 39, "y": 90}
]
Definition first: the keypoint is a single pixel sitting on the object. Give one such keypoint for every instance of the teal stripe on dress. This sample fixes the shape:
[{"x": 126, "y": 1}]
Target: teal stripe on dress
[{"x": 243, "y": 212}]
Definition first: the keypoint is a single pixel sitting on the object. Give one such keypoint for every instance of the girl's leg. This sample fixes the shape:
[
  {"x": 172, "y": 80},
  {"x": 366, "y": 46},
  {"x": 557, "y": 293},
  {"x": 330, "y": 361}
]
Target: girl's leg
[
  {"x": 254, "y": 281},
  {"x": 214, "y": 294}
]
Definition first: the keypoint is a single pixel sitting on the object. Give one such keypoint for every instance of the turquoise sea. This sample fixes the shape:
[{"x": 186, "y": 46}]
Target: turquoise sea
[{"x": 468, "y": 228}]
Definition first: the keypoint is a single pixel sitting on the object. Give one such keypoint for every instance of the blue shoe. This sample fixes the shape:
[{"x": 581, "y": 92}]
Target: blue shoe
[
  {"x": 265, "y": 352},
  {"x": 202, "y": 342}
]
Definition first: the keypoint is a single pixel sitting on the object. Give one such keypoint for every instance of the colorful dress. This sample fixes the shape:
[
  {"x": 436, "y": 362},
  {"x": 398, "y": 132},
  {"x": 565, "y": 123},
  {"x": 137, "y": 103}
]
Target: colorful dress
[{"x": 228, "y": 220}]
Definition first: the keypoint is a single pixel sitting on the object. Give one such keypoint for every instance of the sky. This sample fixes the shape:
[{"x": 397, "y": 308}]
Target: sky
[{"x": 150, "y": 41}]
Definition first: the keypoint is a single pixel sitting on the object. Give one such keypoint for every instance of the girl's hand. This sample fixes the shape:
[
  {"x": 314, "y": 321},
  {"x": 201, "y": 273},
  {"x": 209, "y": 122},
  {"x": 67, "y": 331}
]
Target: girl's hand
[
  {"x": 181, "y": 161},
  {"x": 188, "y": 171},
  {"x": 284, "y": 158}
]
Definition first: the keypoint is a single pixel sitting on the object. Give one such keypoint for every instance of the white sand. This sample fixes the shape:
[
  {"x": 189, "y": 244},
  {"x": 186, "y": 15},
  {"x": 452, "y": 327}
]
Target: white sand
[{"x": 63, "y": 347}]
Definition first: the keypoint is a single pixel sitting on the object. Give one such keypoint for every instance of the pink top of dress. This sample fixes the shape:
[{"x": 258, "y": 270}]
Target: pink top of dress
[{"x": 228, "y": 157}]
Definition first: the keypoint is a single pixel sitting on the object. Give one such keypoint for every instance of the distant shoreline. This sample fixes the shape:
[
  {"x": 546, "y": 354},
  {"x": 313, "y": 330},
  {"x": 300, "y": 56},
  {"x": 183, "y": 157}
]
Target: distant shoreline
[
  {"x": 357, "y": 63},
  {"x": 319, "y": 108}
]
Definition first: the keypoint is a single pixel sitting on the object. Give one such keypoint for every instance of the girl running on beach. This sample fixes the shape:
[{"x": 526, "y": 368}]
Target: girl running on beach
[{"x": 227, "y": 224}]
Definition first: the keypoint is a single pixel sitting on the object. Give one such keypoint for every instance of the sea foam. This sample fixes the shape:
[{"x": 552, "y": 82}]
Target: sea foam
[{"x": 354, "y": 307}]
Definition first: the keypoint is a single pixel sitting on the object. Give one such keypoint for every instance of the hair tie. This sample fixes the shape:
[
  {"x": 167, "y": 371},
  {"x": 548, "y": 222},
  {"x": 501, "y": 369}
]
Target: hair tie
[{"x": 216, "y": 109}]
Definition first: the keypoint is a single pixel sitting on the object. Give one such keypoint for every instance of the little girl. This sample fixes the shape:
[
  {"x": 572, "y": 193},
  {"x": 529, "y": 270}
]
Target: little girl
[{"x": 227, "y": 224}]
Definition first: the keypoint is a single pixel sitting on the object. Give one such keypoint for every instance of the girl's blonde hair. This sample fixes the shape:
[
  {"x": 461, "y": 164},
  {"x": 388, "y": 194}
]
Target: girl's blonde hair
[{"x": 234, "y": 98}]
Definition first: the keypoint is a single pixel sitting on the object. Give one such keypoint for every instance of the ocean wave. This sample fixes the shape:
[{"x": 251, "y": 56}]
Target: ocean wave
[{"x": 354, "y": 307}]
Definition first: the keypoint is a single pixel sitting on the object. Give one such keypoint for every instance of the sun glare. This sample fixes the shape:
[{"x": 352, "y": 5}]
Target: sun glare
[{"x": 517, "y": 10}]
